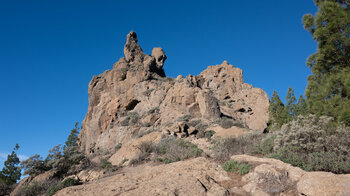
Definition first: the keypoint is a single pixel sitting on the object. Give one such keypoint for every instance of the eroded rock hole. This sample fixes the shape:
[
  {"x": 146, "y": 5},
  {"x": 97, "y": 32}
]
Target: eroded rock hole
[
  {"x": 227, "y": 97},
  {"x": 241, "y": 110},
  {"x": 132, "y": 104}
]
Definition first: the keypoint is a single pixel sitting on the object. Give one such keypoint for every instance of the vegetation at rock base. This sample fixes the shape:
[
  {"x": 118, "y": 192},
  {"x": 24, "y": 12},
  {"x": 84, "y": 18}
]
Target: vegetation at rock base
[
  {"x": 61, "y": 159},
  {"x": 61, "y": 185},
  {"x": 311, "y": 143},
  {"x": 224, "y": 148},
  {"x": 172, "y": 150},
  {"x": 168, "y": 150},
  {"x": 234, "y": 166},
  {"x": 314, "y": 143},
  {"x": 64, "y": 161}
]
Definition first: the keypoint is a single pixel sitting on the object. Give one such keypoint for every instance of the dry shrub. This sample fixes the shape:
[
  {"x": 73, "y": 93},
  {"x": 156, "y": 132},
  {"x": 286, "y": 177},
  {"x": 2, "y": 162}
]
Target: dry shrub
[
  {"x": 223, "y": 149},
  {"x": 172, "y": 150},
  {"x": 146, "y": 148},
  {"x": 226, "y": 123}
]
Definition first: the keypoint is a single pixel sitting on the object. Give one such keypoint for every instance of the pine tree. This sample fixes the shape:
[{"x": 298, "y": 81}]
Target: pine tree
[
  {"x": 291, "y": 104},
  {"x": 328, "y": 89},
  {"x": 73, "y": 137},
  {"x": 278, "y": 113},
  {"x": 302, "y": 108},
  {"x": 11, "y": 171},
  {"x": 34, "y": 166}
]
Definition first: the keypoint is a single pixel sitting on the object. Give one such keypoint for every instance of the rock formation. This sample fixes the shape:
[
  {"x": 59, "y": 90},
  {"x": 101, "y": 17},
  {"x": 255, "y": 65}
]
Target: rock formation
[{"x": 135, "y": 97}]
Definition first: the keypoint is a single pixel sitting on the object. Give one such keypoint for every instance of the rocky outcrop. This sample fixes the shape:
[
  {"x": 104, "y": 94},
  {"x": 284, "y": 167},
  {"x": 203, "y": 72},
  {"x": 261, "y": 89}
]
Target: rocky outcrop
[
  {"x": 201, "y": 176},
  {"x": 135, "y": 97}
]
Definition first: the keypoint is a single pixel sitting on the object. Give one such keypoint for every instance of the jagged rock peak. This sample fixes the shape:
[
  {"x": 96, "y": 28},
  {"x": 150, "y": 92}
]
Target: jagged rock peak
[
  {"x": 135, "y": 59},
  {"x": 132, "y": 50},
  {"x": 225, "y": 63}
]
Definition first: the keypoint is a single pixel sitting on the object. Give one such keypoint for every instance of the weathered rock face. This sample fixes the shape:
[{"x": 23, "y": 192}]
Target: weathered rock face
[{"x": 135, "y": 97}]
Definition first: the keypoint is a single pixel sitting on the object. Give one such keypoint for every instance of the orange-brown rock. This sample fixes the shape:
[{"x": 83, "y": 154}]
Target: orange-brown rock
[{"x": 135, "y": 97}]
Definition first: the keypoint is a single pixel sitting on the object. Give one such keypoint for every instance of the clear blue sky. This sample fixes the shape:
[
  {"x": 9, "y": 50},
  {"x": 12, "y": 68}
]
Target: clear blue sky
[{"x": 49, "y": 51}]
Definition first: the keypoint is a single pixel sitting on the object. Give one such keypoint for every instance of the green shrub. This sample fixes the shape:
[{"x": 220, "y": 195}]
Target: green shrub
[
  {"x": 70, "y": 182},
  {"x": 53, "y": 189},
  {"x": 165, "y": 160},
  {"x": 209, "y": 134},
  {"x": 61, "y": 185},
  {"x": 105, "y": 164},
  {"x": 265, "y": 147},
  {"x": 234, "y": 166},
  {"x": 314, "y": 144},
  {"x": 172, "y": 150}
]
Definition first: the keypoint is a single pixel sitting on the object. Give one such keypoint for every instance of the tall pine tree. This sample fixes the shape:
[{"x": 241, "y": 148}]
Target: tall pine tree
[
  {"x": 328, "y": 89},
  {"x": 278, "y": 113},
  {"x": 11, "y": 171},
  {"x": 73, "y": 137},
  {"x": 302, "y": 108},
  {"x": 291, "y": 104}
]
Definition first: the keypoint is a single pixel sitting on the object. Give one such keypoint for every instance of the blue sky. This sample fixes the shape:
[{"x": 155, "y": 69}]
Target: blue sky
[{"x": 49, "y": 51}]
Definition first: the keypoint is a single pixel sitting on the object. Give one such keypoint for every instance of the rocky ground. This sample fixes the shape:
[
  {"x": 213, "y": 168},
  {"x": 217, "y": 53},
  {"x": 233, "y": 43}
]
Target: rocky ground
[{"x": 202, "y": 176}]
